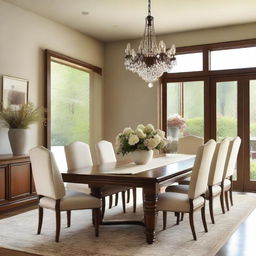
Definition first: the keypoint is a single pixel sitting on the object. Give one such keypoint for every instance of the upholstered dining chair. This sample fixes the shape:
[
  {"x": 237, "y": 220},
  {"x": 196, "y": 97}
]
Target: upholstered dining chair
[
  {"x": 230, "y": 166},
  {"x": 106, "y": 154},
  {"x": 52, "y": 194},
  {"x": 189, "y": 144},
  {"x": 214, "y": 180},
  {"x": 195, "y": 198}
]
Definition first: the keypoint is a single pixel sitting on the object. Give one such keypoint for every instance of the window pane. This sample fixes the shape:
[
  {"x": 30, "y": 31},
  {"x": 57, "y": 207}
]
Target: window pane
[
  {"x": 70, "y": 98},
  {"x": 187, "y": 99},
  {"x": 233, "y": 58},
  {"x": 226, "y": 93},
  {"x": 252, "y": 130},
  {"x": 188, "y": 62}
]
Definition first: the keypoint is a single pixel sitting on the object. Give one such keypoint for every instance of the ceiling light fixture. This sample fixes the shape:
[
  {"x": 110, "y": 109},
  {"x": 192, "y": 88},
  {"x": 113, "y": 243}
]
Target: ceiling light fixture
[{"x": 151, "y": 60}]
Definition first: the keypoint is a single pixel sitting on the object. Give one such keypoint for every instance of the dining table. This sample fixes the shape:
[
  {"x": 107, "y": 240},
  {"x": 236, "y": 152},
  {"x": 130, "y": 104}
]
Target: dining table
[{"x": 160, "y": 172}]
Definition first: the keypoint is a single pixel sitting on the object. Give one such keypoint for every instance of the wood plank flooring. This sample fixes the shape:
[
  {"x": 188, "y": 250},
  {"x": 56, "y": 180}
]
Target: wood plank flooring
[{"x": 241, "y": 243}]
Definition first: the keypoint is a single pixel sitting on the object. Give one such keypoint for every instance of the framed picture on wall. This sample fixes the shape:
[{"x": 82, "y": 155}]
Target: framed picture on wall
[{"x": 15, "y": 92}]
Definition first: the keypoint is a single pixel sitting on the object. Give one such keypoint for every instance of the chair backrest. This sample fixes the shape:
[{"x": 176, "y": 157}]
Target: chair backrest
[
  {"x": 78, "y": 155},
  {"x": 105, "y": 152},
  {"x": 201, "y": 169},
  {"x": 47, "y": 178},
  {"x": 233, "y": 150},
  {"x": 189, "y": 144},
  {"x": 218, "y": 162}
]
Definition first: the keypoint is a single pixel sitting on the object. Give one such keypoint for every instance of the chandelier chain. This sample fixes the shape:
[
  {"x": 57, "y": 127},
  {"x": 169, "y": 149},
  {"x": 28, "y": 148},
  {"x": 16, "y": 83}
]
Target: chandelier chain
[{"x": 149, "y": 7}]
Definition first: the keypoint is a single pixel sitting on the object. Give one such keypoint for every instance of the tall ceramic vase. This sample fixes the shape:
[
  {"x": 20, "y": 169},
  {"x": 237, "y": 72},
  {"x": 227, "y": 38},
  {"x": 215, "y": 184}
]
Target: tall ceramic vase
[
  {"x": 18, "y": 138},
  {"x": 142, "y": 156}
]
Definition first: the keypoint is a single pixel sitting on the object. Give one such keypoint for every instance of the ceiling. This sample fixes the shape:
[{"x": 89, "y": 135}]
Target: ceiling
[{"x": 112, "y": 20}]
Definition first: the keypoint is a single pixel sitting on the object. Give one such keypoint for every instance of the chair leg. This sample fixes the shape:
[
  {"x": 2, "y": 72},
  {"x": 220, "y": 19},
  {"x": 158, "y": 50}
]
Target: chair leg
[
  {"x": 164, "y": 219},
  {"x": 68, "y": 218},
  {"x": 116, "y": 200},
  {"x": 57, "y": 212},
  {"x": 128, "y": 195},
  {"x": 211, "y": 204},
  {"x": 134, "y": 193},
  {"x": 97, "y": 220},
  {"x": 110, "y": 201},
  {"x": 178, "y": 218},
  {"x": 203, "y": 218},
  {"x": 182, "y": 216},
  {"x": 226, "y": 200},
  {"x": 123, "y": 201},
  {"x": 231, "y": 196},
  {"x": 40, "y": 219},
  {"x": 191, "y": 219},
  {"x": 222, "y": 201},
  {"x": 103, "y": 207}
]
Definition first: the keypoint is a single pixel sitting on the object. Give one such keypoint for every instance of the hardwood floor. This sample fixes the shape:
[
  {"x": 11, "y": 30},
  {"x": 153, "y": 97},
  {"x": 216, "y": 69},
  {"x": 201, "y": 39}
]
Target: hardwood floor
[{"x": 241, "y": 243}]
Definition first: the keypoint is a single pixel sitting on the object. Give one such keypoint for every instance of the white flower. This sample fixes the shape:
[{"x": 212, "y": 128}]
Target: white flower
[
  {"x": 150, "y": 143},
  {"x": 133, "y": 139},
  {"x": 160, "y": 133},
  {"x": 128, "y": 131},
  {"x": 118, "y": 142},
  {"x": 149, "y": 128},
  {"x": 157, "y": 139},
  {"x": 163, "y": 143},
  {"x": 139, "y": 132},
  {"x": 141, "y": 126}
]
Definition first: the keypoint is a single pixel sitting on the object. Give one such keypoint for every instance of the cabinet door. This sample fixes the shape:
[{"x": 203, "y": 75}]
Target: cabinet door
[
  {"x": 20, "y": 180},
  {"x": 3, "y": 195}
]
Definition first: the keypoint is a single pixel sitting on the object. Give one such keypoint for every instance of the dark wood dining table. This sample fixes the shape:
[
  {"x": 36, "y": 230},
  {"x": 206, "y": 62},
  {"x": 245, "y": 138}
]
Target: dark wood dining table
[{"x": 150, "y": 181}]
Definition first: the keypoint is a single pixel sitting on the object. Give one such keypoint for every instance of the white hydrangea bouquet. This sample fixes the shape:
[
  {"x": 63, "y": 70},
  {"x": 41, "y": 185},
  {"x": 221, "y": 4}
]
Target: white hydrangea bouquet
[{"x": 142, "y": 138}]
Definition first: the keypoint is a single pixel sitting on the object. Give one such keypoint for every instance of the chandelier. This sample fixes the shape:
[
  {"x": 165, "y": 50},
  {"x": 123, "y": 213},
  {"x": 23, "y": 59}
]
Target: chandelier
[{"x": 151, "y": 60}]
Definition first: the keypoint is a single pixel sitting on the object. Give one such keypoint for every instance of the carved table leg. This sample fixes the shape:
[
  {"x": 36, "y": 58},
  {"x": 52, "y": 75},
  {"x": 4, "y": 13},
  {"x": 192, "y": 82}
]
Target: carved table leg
[
  {"x": 150, "y": 211},
  {"x": 96, "y": 191}
]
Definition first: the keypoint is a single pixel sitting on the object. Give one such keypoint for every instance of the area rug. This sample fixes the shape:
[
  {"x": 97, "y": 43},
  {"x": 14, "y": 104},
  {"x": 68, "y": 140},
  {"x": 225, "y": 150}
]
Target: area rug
[{"x": 19, "y": 233}]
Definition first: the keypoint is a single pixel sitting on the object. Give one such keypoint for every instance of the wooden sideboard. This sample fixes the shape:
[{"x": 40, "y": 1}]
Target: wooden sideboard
[{"x": 16, "y": 182}]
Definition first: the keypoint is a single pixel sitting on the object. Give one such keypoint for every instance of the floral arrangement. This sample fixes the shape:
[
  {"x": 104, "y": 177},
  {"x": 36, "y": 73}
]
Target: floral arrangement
[
  {"x": 177, "y": 121},
  {"x": 21, "y": 118},
  {"x": 143, "y": 138}
]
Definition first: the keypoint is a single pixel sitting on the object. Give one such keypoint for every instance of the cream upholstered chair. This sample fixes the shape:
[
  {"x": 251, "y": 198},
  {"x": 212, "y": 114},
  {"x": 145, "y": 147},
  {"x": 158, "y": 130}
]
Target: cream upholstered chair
[
  {"x": 214, "y": 180},
  {"x": 106, "y": 154},
  {"x": 230, "y": 165},
  {"x": 189, "y": 144},
  {"x": 78, "y": 155},
  {"x": 194, "y": 199},
  {"x": 52, "y": 194}
]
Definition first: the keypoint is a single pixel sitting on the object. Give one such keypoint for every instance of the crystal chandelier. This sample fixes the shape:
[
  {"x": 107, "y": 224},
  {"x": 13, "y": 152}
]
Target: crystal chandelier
[{"x": 151, "y": 60}]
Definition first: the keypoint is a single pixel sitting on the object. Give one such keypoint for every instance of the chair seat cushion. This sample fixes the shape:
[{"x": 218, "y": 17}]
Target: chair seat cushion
[
  {"x": 78, "y": 187},
  {"x": 110, "y": 190},
  {"x": 177, "y": 202},
  {"x": 72, "y": 200},
  {"x": 216, "y": 190},
  {"x": 184, "y": 181},
  {"x": 178, "y": 189},
  {"x": 227, "y": 184}
]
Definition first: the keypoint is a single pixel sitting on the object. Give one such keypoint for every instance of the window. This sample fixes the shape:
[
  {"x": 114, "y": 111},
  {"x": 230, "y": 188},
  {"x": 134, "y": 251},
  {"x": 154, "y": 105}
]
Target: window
[
  {"x": 233, "y": 58},
  {"x": 187, "y": 100},
  {"x": 188, "y": 62}
]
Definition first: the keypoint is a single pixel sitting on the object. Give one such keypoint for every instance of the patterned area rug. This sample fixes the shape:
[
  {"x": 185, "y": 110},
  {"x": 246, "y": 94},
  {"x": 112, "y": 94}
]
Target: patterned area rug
[{"x": 19, "y": 233}]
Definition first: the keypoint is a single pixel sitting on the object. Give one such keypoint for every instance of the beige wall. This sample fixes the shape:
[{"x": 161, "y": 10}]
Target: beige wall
[
  {"x": 23, "y": 37},
  {"x": 127, "y": 99}
]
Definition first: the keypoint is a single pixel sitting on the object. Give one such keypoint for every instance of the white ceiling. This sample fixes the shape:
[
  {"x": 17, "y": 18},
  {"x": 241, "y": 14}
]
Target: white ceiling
[{"x": 111, "y": 20}]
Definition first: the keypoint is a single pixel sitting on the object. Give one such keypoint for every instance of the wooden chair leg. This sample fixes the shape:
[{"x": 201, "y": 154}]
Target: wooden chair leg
[
  {"x": 123, "y": 201},
  {"x": 134, "y": 193},
  {"x": 103, "y": 206},
  {"x": 211, "y": 204},
  {"x": 222, "y": 201},
  {"x": 97, "y": 220},
  {"x": 164, "y": 219},
  {"x": 116, "y": 200},
  {"x": 57, "y": 212},
  {"x": 40, "y": 219},
  {"x": 178, "y": 218},
  {"x": 182, "y": 216},
  {"x": 231, "y": 196},
  {"x": 226, "y": 200},
  {"x": 191, "y": 219},
  {"x": 128, "y": 195},
  {"x": 68, "y": 218},
  {"x": 203, "y": 219},
  {"x": 110, "y": 201}
]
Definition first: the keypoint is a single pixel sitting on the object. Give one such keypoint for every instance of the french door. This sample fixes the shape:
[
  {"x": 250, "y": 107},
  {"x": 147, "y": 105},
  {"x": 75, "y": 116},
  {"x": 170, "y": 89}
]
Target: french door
[{"x": 229, "y": 111}]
